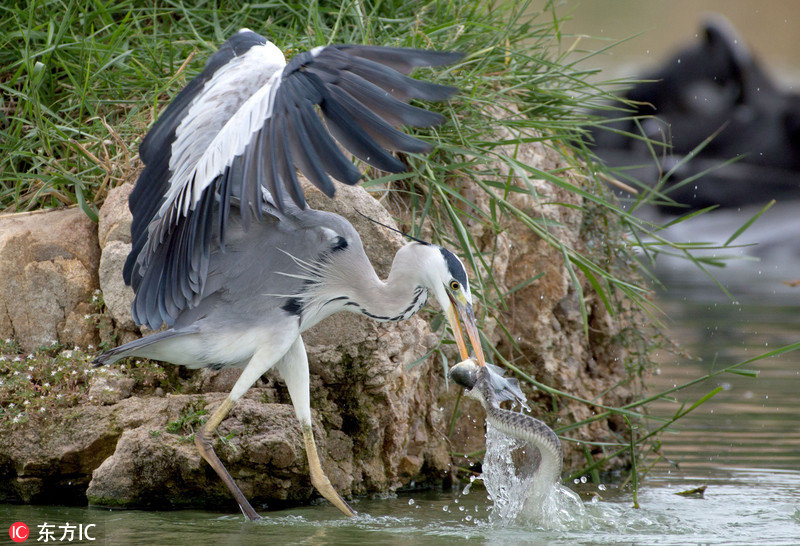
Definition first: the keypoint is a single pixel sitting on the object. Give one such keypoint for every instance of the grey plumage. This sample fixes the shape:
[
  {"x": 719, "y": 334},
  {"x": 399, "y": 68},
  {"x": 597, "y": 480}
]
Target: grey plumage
[{"x": 257, "y": 275}]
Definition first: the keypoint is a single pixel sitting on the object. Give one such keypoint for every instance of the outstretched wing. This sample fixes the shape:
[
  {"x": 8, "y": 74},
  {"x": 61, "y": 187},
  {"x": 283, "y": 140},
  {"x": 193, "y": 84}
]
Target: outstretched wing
[{"x": 236, "y": 135}]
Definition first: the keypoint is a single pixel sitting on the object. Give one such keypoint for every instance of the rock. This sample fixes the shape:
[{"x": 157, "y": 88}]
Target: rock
[
  {"x": 48, "y": 263},
  {"x": 116, "y": 295},
  {"x": 114, "y": 217},
  {"x": 114, "y": 235},
  {"x": 207, "y": 380},
  {"x": 156, "y": 466},
  {"x": 52, "y": 461},
  {"x": 109, "y": 387},
  {"x": 147, "y": 471},
  {"x": 78, "y": 329}
]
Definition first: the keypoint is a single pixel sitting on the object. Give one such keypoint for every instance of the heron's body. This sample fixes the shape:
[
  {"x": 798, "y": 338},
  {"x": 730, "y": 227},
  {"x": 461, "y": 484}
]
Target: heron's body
[
  {"x": 277, "y": 304},
  {"x": 226, "y": 252}
]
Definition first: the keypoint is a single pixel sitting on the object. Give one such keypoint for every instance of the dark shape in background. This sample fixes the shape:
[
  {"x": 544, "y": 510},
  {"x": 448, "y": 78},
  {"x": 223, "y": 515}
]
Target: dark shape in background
[{"x": 716, "y": 85}]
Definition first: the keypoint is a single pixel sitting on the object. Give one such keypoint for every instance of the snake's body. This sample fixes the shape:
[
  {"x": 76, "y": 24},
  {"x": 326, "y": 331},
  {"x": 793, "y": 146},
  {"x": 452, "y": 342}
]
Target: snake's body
[{"x": 484, "y": 388}]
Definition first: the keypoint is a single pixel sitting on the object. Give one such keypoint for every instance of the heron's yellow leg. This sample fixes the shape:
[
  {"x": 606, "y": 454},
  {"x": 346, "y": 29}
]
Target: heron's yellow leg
[
  {"x": 318, "y": 477},
  {"x": 202, "y": 440}
]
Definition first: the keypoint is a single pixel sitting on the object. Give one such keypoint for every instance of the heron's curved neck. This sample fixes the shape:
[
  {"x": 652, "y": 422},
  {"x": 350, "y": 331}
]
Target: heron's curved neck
[
  {"x": 397, "y": 298},
  {"x": 357, "y": 288}
]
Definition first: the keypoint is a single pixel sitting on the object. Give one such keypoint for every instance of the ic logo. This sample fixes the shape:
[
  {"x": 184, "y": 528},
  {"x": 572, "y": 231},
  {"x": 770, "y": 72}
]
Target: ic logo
[{"x": 19, "y": 532}]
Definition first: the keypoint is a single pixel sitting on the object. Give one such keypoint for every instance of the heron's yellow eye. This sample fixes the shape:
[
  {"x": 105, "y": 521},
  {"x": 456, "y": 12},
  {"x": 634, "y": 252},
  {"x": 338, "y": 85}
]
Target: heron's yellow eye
[{"x": 454, "y": 285}]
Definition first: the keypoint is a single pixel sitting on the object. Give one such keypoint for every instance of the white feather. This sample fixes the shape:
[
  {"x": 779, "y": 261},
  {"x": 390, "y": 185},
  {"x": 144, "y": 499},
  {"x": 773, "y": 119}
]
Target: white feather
[
  {"x": 232, "y": 106},
  {"x": 235, "y": 135}
]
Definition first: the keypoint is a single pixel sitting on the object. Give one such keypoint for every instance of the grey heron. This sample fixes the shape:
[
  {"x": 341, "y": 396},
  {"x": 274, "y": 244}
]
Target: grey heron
[{"x": 226, "y": 252}]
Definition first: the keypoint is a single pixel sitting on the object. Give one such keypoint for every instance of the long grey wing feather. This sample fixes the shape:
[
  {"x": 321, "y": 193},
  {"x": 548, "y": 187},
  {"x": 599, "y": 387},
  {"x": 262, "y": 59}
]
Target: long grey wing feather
[
  {"x": 381, "y": 132},
  {"x": 278, "y": 167},
  {"x": 395, "y": 83},
  {"x": 306, "y": 157},
  {"x": 285, "y": 159},
  {"x": 336, "y": 164},
  {"x": 402, "y": 59},
  {"x": 393, "y": 110},
  {"x": 353, "y": 137}
]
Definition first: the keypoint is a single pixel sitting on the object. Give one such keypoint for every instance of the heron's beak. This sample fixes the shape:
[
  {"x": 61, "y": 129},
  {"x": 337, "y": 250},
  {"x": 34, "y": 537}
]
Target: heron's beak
[{"x": 464, "y": 310}]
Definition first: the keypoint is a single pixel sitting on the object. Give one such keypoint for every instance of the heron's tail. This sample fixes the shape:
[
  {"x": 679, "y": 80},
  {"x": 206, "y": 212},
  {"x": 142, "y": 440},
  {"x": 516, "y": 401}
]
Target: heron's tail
[
  {"x": 108, "y": 357},
  {"x": 132, "y": 348}
]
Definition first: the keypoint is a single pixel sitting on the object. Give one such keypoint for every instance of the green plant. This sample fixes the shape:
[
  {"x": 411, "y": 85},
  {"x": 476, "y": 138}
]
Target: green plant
[
  {"x": 40, "y": 384},
  {"x": 190, "y": 418}
]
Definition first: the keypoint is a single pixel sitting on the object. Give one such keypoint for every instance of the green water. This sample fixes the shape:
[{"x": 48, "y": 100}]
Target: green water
[
  {"x": 744, "y": 445},
  {"x": 741, "y": 506}
]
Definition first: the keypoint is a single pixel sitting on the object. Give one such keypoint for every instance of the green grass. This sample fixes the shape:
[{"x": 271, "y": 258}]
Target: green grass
[
  {"x": 189, "y": 420},
  {"x": 81, "y": 80}
]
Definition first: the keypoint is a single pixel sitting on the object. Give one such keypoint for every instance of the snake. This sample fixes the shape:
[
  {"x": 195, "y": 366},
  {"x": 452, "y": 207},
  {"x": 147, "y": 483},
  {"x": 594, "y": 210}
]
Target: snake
[{"x": 487, "y": 385}]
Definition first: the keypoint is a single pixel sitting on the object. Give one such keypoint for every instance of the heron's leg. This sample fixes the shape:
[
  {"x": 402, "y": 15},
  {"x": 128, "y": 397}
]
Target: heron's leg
[
  {"x": 294, "y": 370},
  {"x": 202, "y": 440},
  {"x": 262, "y": 361}
]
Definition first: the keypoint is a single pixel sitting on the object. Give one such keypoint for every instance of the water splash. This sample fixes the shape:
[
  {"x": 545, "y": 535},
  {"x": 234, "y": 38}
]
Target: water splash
[{"x": 519, "y": 494}]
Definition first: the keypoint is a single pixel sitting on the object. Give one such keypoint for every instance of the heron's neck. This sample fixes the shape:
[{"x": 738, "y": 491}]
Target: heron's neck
[
  {"x": 357, "y": 288},
  {"x": 397, "y": 298}
]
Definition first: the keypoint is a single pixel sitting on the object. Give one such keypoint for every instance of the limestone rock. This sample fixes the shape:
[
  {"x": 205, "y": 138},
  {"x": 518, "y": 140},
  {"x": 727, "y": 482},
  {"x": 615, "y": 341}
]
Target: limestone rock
[
  {"x": 157, "y": 466},
  {"x": 114, "y": 235},
  {"x": 48, "y": 264},
  {"x": 109, "y": 387},
  {"x": 116, "y": 295},
  {"x": 53, "y": 461},
  {"x": 114, "y": 217}
]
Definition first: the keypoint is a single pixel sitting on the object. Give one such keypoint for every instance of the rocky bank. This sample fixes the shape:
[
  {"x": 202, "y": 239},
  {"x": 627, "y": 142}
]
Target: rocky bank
[{"x": 381, "y": 412}]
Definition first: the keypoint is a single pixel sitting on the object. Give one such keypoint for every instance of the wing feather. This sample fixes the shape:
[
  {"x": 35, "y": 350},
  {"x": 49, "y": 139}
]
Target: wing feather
[
  {"x": 402, "y": 59},
  {"x": 336, "y": 164}
]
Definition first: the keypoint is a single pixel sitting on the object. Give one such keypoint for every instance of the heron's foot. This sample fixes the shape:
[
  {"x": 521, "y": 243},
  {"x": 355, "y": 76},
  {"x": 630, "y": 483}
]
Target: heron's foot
[
  {"x": 323, "y": 485},
  {"x": 318, "y": 477},
  {"x": 202, "y": 439},
  {"x": 203, "y": 443}
]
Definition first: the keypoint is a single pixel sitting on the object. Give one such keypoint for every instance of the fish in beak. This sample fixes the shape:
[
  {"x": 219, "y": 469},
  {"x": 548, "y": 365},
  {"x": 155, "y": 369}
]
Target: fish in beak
[{"x": 463, "y": 309}]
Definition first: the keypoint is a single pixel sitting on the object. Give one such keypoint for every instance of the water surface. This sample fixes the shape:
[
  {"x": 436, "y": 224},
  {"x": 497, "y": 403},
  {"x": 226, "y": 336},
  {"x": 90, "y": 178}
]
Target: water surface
[{"x": 743, "y": 445}]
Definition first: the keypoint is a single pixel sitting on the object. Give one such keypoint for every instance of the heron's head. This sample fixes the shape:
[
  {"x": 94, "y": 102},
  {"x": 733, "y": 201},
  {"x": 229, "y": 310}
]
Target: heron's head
[{"x": 444, "y": 275}]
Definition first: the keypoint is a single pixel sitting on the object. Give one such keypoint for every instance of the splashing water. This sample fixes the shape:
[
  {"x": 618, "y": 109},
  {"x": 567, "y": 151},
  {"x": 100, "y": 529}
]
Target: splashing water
[{"x": 519, "y": 493}]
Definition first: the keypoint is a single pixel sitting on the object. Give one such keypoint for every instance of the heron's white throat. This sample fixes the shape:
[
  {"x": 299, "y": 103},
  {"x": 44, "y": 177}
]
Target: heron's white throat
[{"x": 347, "y": 281}]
